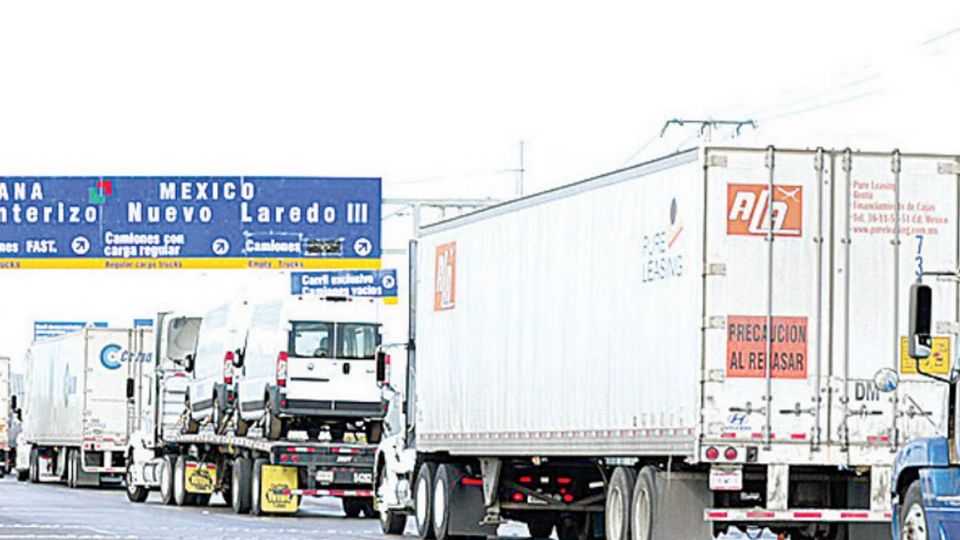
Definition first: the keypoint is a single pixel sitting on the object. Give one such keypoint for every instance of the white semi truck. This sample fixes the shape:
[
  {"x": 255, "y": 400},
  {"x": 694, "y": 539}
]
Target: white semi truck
[
  {"x": 7, "y": 418},
  {"x": 592, "y": 359},
  {"x": 188, "y": 463},
  {"x": 75, "y": 421}
]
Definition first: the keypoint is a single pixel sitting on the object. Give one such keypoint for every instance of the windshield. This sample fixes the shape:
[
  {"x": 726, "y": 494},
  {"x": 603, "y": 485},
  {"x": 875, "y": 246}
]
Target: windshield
[
  {"x": 312, "y": 339},
  {"x": 358, "y": 341}
]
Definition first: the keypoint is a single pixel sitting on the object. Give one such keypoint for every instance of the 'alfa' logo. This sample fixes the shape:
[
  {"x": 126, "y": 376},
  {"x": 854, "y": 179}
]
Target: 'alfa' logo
[{"x": 749, "y": 210}]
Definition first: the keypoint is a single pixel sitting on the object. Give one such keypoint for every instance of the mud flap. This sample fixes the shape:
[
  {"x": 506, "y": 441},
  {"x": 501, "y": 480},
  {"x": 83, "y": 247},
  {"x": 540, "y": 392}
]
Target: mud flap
[
  {"x": 200, "y": 477},
  {"x": 467, "y": 511},
  {"x": 274, "y": 479},
  {"x": 681, "y": 502}
]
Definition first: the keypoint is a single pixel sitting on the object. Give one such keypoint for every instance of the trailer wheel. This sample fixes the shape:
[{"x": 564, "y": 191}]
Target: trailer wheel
[
  {"x": 913, "y": 514},
  {"x": 180, "y": 494},
  {"x": 442, "y": 501},
  {"x": 619, "y": 497},
  {"x": 352, "y": 506},
  {"x": 540, "y": 529},
  {"x": 255, "y": 486},
  {"x": 423, "y": 501},
  {"x": 240, "y": 485},
  {"x": 166, "y": 480},
  {"x": 22, "y": 475},
  {"x": 72, "y": 464},
  {"x": 135, "y": 493},
  {"x": 216, "y": 415},
  {"x": 34, "y": 466},
  {"x": 643, "y": 507}
]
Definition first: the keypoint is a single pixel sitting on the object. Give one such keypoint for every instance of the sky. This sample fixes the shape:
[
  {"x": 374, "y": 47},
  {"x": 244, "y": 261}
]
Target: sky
[{"x": 435, "y": 98}]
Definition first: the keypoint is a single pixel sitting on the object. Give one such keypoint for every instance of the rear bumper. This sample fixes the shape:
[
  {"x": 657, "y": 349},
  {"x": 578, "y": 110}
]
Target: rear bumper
[
  {"x": 760, "y": 515},
  {"x": 282, "y": 406}
]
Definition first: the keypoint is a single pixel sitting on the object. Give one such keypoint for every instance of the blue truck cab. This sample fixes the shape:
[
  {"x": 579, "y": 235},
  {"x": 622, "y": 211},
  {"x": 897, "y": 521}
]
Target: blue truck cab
[{"x": 926, "y": 475}]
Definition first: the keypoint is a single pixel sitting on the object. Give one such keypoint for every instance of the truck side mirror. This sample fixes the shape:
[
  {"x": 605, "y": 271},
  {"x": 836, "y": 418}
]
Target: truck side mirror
[
  {"x": 13, "y": 403},
  {"x": 238, "y": 358},
  {"x": 919, "y": 341},
  {"x": 129, "y": 387},
  {"x": 188, "y": 363},
  {"x": 886, "y": 380},
  {"x": 383, "y": 360}
]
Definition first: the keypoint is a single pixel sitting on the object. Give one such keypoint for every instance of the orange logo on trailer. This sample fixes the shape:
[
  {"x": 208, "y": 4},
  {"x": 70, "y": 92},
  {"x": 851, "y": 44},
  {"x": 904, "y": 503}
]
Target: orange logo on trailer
[
  {"x": 747, "y": 347},
  {"x": 749, "y": 208},
  {"x": 445, "y": 272}
]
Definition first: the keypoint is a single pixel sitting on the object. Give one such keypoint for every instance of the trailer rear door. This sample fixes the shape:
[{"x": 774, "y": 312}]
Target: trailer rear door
[{"x": 760, "y": 277}]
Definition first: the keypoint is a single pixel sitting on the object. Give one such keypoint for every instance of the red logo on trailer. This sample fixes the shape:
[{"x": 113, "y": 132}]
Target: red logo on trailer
[
  {"x": 747, "y": 347},
  {"x": 749, "y": 208},
  {"x": 445, "y": 272}
]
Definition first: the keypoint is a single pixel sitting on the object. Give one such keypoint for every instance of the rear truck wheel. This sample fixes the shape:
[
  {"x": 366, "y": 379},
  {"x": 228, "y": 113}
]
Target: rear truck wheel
[
  {"x": 643, "y": 506},
  {"x": 369, "y": 512},
  {"x": 256, "y": 483},
  {"x": 242, "y": 426},
  {"x": 913, "y": 515},
  {"x": 72, "y": 463},
  {"x": 352, "y": 506},
  {"x": 423, "y": 501},
  {"x": 540, "y": 529},
  {"x": 617, "y": 508},
  {"x": 180, "y": 495},
  {"x": 166, "y": 480},
  {"x": 189, "y": 426},
  {"x": 390, "y": 522},
  {"x": 23, "y": 475},
  {"x": 240, "y": 486},
  {"x": 135, "y": 493},
  {"x": 216, "y": 415},
  {"x": 226, "y": 488},
  {"x": 272, "y": 424},
  {"x": 34, "y": 466}
]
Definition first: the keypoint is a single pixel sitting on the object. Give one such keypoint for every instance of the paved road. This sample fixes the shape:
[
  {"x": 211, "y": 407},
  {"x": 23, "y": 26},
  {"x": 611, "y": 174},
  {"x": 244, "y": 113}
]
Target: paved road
[{"x": 47, "y": 511}]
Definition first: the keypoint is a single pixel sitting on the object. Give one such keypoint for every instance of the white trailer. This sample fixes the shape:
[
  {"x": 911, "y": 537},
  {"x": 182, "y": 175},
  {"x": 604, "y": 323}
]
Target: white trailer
[
  {"x": 7, "y": 418},
  {"x": 592, "y": 357},
  {"x": 75, "y": 407}
]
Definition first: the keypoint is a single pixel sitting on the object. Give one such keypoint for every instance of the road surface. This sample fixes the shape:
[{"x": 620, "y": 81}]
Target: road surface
[{"x": 49, "y": 511}]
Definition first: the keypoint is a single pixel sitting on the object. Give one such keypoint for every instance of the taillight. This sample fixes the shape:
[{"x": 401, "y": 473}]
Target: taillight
[
  {"x": 228, "y": 368},
  {"x": 282, "y": 369},
  {"x": 712, "y": 453},
  {"x": 730, "y": 453}
]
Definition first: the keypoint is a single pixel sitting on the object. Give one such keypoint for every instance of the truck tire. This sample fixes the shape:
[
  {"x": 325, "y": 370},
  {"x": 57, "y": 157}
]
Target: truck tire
[
  {"x": 391, "y": 523},
  {"x": 216, "y": 415},
  {"x": 423, "y": 501},
  {"x": 22, "y": 475},
  {"x": 240, "y": 486},
  {"x": 166, "y": 480},
  {"x": 135, "y": 493},
  {"x": 190, "y": 426},
  {"x": 913, "y": 514},
  {"x": 617, "y": 508},
  {"x": 180, "y": 495},
  {"x": 256, "y": 477},
  {"x": 35, "y": 465},
  {"x": 72, "y": 468},
  {"x": 643, "y": 507},
  {"x": 443, "y": 502},
  {"x": 540, "y": 529},
  {"x": 352, "y": 506}
]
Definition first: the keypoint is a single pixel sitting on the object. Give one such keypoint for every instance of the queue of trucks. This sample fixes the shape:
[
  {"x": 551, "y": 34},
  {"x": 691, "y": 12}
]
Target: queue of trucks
[{"x": 713, "y": 340}]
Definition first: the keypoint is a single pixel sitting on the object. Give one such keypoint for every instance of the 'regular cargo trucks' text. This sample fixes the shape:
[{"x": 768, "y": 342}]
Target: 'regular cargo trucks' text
[{"x": 674, "y": 349}]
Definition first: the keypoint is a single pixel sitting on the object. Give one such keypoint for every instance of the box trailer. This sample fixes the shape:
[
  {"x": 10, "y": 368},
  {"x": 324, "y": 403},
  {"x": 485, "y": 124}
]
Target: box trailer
[
  {"x": 75, "y": 407},
  {"x": 7, "y": 418},
  {"x": 594, "y": 357}
]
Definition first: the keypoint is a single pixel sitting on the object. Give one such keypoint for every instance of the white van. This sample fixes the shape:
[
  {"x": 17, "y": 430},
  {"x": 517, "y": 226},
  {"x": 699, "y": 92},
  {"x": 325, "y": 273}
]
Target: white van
[
  {"x": 310, "y": 364},
  {"x": 210, "y": 393}
]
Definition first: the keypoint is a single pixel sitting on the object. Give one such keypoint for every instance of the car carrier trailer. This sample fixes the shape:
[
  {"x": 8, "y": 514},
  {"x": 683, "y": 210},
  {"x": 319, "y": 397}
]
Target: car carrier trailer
[
  {"x": 253, "y": 474},
  {"x": 591, "y": 359}
]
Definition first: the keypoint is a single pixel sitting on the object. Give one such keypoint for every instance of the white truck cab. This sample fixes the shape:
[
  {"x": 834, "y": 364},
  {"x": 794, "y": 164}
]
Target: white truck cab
[
  {"x": 220, "y": 345},
  {"x": 311, "y": 364}
]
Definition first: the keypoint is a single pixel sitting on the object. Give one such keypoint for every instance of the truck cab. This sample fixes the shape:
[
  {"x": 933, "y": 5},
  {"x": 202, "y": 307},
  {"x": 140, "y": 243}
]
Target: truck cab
[
  {"x": 311, "y": 364},
  {"x": 926, "y": 476}
]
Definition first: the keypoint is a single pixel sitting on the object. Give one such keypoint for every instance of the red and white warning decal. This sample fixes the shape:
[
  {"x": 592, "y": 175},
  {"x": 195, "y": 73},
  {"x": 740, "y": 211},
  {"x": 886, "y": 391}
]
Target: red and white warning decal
[{"x": 747, "y": 347}]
